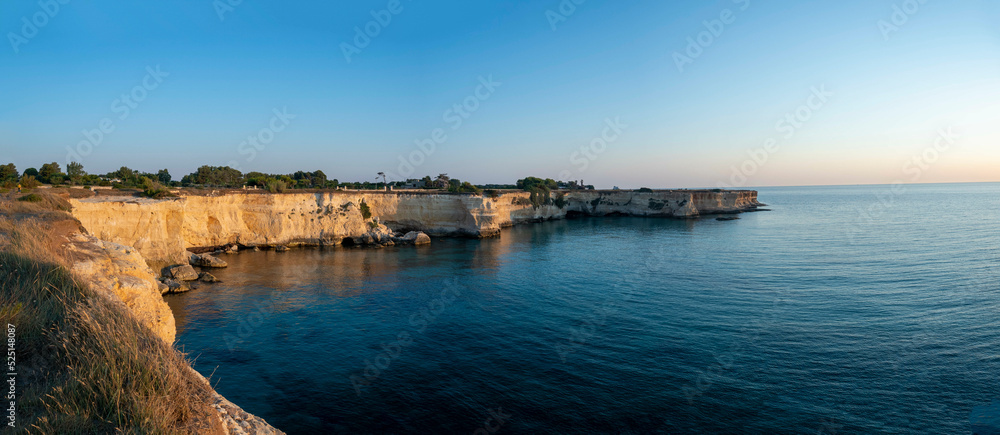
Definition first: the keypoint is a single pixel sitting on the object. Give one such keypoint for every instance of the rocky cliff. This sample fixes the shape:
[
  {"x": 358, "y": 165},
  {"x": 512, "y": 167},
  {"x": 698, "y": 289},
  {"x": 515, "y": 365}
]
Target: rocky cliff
[
  {"x": 163, "y": 229},
  {"x": 121, "y": 273}
]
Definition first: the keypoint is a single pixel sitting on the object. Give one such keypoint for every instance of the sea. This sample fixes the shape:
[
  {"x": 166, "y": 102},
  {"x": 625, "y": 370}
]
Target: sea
[{"x": 841, "y": 310}]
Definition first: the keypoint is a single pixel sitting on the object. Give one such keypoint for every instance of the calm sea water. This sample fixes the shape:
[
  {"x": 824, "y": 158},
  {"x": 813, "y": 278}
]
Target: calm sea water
[{"x": 843, "y": 310}]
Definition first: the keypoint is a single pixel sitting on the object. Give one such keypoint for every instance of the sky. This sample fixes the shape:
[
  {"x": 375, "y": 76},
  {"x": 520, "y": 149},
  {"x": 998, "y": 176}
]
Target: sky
[{"x": 668, "y": 94}]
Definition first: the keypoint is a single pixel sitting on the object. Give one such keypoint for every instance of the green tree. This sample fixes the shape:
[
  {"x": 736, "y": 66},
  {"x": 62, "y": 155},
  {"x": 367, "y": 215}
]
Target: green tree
[
  {"x": 75, "y": 171},
  {"x": 48, "y": 170},
  {"x": 8, "y": 172},
  {"x": 221, "y": 176},
  {"x": 31, "y": 171},
  {"x": 163, "y": 176}
]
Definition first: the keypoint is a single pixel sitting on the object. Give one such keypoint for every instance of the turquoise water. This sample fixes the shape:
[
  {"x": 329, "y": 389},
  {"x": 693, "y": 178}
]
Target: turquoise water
[{"x": 843, "y": 310}]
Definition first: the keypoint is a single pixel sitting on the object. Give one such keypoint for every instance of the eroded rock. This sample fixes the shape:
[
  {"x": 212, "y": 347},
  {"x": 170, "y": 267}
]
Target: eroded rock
[
  {"x": 182, "y": 272},
  {"x": 206, "y": 260},
  {"x": 207, "y": 277}
]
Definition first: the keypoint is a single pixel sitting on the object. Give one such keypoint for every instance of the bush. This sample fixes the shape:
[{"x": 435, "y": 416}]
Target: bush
[
  {"x": 29, "y": 182},
  {"x": 275, "y": 186},
  {"x": 46, "y": 200},
  {"x": 644, "y": 190},
  {"x": 31, "y": 197},
  {"x": 365, "y": 211},
  {"x": 560, "y": 200},
  {"x": 492, "y": 193},
  {"x": 155, "y": 190}
]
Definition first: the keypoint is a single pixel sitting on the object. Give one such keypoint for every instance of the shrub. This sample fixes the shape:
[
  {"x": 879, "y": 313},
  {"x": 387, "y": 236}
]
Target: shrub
[
  {"x": 275, "y": 186},
  {"x": 365, "y": 211},
  {"x": 644, "y": 190},
  {"x": 155, "y": 190},
  {"x": 29, "y": 182},
  {"x": 560, "y": 200},
  {"x": 492, "y": 193},
  {"x": 31, "y": 197}
]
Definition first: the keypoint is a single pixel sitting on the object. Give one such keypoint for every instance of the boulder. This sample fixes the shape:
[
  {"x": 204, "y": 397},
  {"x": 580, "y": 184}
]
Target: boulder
[
  {"x": 206, "y": 260},
  {"x": 413, "y": 238},
  {"x": 183, "y": 272},
  {"x": 174, "y": 286},
  {"x": 207, "y": 277},
  {"x": 163, "y": 288},
  {"x": 281, "y": 248}
]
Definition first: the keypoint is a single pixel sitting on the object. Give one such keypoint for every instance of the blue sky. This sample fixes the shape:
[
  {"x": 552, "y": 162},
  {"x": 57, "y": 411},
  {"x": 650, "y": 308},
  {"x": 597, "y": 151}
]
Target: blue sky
[{"x": 561, "y": 75}]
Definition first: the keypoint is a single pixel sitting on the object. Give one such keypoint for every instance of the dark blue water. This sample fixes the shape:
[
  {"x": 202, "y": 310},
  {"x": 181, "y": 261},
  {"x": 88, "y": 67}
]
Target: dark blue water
[{"x": 843, "y": 310}]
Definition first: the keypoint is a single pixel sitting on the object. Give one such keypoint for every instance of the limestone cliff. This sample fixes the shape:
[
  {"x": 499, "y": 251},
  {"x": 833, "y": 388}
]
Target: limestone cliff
[
  {"x": 163, "y": 229},
  {"x": 120, "y": 272}
]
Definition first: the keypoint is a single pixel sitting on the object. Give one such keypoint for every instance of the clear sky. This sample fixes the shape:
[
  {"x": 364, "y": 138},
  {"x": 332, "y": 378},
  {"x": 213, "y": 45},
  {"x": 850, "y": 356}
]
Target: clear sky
[{"x": 883, "y": 78}]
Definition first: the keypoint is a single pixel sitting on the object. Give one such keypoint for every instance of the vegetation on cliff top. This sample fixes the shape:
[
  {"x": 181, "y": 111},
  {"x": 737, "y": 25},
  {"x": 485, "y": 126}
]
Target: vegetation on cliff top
[{"x": 84, "y": 363}]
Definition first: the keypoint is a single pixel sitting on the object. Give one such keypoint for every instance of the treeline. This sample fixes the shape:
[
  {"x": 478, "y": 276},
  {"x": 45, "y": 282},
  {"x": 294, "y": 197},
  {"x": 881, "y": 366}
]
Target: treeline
[{"x": 158, "y": 184}]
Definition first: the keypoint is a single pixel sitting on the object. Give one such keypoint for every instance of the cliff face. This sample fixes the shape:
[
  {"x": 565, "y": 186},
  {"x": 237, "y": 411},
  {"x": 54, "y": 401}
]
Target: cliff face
[
  {"x": 119, "y": 271},
  {"x": 163, "y": 229}
]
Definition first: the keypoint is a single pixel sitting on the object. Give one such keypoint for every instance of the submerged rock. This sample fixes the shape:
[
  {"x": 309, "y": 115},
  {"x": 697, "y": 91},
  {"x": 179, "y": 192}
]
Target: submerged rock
[
  {"x": 206, "y": 260},
  {"x": 281, "y": 248},
  {"x": 727, "y": 218},
  {"x": 183, "y": 272}
]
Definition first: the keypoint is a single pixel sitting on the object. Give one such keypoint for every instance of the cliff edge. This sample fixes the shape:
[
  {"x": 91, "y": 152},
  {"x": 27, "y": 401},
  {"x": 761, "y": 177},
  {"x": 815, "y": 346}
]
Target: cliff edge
[{"x": 162, "y": 230}]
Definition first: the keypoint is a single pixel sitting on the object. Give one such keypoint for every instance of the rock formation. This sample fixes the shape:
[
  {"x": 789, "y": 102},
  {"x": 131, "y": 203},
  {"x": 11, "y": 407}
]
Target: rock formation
[
  {"x": 119, "y": 271},
  {"x": 206, "y": 260},
  {"x": 162, "y": 230}
]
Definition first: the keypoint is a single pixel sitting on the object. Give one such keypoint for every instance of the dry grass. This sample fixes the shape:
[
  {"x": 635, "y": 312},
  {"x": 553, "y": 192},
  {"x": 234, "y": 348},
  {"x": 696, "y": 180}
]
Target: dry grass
[{"x": 85, "y": 364}]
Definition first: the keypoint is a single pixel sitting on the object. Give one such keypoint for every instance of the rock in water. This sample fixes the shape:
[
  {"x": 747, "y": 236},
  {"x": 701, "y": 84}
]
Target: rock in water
[
  {"x": 183, "y": 272},
  {"x": 281, "y": 248},
  {"x": 413, "y": 238},
  {"x": 174, "y": 286},
  {"x": 207, "y": 277},
  {"x": 206, "y": 260}
]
